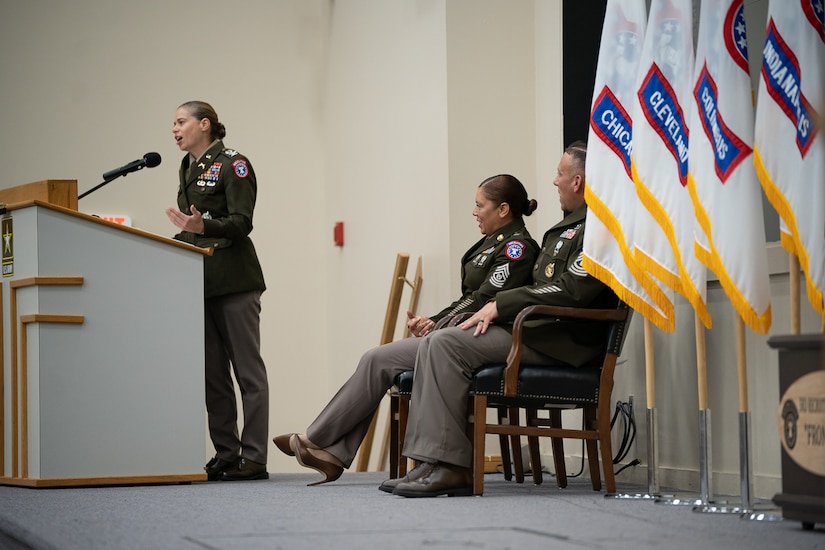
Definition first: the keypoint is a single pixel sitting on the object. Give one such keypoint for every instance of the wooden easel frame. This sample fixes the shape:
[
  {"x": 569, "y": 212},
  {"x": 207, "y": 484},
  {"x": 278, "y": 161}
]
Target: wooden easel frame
[{"x": 387, "y": 335}]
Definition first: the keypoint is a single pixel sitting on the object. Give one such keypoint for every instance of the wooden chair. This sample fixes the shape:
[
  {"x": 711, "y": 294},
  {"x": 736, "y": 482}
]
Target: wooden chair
[{"x": 553, "y": 388}]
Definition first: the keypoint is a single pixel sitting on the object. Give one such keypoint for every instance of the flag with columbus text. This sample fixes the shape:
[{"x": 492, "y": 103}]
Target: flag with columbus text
[
  {"x": 613, "y": 205},
  {"x": 660, "y": 152},
  {"x": 789, "y": 146},
  {"x": 721, "y": 178}
]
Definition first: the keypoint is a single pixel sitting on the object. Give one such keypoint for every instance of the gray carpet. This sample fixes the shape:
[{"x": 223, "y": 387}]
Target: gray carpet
[{"x": 351, "y": 513}]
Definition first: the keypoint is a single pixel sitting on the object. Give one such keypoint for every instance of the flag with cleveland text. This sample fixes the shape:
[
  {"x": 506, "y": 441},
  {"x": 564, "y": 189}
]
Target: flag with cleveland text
[
  {"x": 613, "y": 205},
  {"x": 661, "y": 140},
  {"x": 789, "y": 146},
  {"x": 722, "y": 179}
]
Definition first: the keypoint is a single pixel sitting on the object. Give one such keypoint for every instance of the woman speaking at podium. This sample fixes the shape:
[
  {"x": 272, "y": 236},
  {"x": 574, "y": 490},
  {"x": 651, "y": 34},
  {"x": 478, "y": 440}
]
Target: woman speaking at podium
[{"x": 216, "y": 199}]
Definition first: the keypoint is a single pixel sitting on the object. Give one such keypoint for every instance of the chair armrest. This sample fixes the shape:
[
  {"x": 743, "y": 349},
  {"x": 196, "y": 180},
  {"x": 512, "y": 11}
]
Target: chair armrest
[{"x": 514, "y": 357}]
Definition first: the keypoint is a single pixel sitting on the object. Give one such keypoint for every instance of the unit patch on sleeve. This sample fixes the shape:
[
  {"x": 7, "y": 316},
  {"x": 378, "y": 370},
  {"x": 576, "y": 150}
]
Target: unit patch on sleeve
[
  {"x": 515, "y": 250},
  {"x": 241, "y": 169}
]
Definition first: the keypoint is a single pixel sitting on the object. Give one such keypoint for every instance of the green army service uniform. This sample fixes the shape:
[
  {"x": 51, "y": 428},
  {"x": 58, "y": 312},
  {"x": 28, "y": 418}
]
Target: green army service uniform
[
  {"x": 560, "y": 280},
  {"x": 447, "y": 360},
  {"x": 495, "y": 263},
  {"x": 221, "y": 184},
  {"x": 499, "y": 262}
]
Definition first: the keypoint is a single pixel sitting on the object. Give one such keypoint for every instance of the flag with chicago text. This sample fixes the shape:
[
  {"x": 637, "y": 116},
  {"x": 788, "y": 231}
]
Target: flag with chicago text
[
  {"x": 660, "y": 152},
  {"x": 721, "y": 179},
  {"x": 789, "y": 147},
  {"x": 613, "y": 205}
]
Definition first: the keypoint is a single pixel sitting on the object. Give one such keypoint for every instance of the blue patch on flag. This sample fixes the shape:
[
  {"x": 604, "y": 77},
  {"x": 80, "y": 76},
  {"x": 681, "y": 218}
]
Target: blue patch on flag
[
  {"x": 662, "y": 110},
  {"x": 736, "y": 41},
  {"x": 728, "y": 149},
  {"x": 612, "y": 124},
  {"x": 782, "y": 76}
]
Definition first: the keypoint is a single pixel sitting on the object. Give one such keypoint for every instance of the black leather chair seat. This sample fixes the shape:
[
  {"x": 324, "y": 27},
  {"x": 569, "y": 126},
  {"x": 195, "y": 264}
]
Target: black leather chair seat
[
  {"x": 541, "y": 385},
  {"x": 404, "y": 382}
]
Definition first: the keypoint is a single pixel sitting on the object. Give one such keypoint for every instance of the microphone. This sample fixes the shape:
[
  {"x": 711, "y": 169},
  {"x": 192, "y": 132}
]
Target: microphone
[{"x": 149, "y": 160}]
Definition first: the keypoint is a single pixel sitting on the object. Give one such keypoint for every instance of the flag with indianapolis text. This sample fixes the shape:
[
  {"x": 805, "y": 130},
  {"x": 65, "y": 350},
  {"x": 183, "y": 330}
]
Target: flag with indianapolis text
[
  {"x": 613, "y": 205},
  {"x": 660, "y": 152},
  {"x": 789, "y": 146},
  {"x": 721, "y": 178}
]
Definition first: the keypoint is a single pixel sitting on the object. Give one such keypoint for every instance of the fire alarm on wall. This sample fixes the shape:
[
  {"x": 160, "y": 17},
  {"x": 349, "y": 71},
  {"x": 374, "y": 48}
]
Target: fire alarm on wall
[{"x": 338, "y": 234}]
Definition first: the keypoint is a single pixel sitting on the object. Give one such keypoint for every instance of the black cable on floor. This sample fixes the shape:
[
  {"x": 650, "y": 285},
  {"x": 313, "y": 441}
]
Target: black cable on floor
[{"x": 625, "y": 410}]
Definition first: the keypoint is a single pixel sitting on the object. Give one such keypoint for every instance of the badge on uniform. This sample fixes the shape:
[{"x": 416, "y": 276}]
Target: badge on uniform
[
  {"x": 570, "y": 233},
  {"x": 549, "y": 270},
  {"x": 514, "y": 250},
  {"x": 241, "y": 169},
  {"x": 209, "y": 178},
  {"x": 556, "y": 250}
]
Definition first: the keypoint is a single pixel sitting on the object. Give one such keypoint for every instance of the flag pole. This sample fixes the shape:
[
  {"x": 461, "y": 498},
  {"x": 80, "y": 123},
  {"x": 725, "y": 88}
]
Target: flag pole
[
  {"x": 705, "y": 470},
  {"x": 744, "y": 417},
  {"x": 652, "y": 427},
  {"x": 705, "y": 455},
  {"x": 652, "y": 435},
  {"x": 745, "y": 480},
  {"x": 793, "y": 273}
]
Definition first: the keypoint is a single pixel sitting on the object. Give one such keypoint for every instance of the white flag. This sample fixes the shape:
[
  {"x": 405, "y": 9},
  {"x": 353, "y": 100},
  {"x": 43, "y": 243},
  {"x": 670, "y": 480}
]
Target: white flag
[
  {"x": 660, "y": 150},
  {"x": 722, "y": 179},
  {"x": 789, "y": 148},
  {"x": 610, "y": 192}
]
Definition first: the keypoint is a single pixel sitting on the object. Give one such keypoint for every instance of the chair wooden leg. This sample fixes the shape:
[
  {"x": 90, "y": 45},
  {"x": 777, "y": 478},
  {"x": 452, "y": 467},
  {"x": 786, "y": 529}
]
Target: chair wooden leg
[
  {"x": 592, "y": 449},
  {"x": 403, "y": 414},
  {"x": 479, "y": 432},
  {"x": 558, "y": 450},
  {"x": 515, "y": 444},
  {"x": 395, "y": 448},
  {"x": 504, "y": 444},
  {"x": 606, "y": 448},
  {"x": 533, "y": 444}
]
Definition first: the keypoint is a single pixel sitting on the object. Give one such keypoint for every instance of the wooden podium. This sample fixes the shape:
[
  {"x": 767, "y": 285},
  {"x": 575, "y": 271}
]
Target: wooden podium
[{"x": 102, "y": 348}]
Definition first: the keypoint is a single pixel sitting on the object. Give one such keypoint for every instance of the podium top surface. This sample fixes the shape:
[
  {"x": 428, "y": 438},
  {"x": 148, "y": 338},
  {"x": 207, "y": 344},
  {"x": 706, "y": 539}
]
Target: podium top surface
[
  {"x": 100, "y": 221},
  {"x": 797, "y": 341},
  {"x": 60, "y": 192}
]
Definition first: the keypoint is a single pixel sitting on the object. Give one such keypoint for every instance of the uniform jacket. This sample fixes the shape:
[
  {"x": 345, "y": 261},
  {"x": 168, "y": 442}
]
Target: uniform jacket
[
  {"x": 501, "y": 261},
  {"x": 560, "y": 280},
  {"x": 222, "y": 186}
]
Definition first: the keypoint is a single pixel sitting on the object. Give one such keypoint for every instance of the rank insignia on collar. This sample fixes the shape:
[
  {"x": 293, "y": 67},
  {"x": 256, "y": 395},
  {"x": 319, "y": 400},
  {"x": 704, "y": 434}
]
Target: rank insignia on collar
[
  {"x": 208, "y": 156},
  {"x": 230, "y": 152},
  {"x": 201, "y": 165},
  {"x": 550, "y": 269},
  {"x": 500, "y": 238}
]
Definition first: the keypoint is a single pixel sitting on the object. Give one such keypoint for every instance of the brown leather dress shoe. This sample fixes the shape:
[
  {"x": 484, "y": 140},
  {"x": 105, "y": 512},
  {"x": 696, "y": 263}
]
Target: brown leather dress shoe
[
  {"x": 330, "y": 470},
  {"x": 244, "y": 470},
  {"x": 441, "y": 479},
  {"x": 282, "y": 442},
  {"x": 389, "y": 485}
]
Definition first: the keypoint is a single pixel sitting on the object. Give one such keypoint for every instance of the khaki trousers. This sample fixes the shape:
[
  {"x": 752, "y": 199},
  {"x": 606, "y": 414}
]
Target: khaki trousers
[
  {"x": 444, "y": 367},
  {"x": 343, "y": 423}
]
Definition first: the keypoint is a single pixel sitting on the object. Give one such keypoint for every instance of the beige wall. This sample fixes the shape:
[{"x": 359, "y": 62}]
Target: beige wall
[{"x": 383, "y": 115}]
